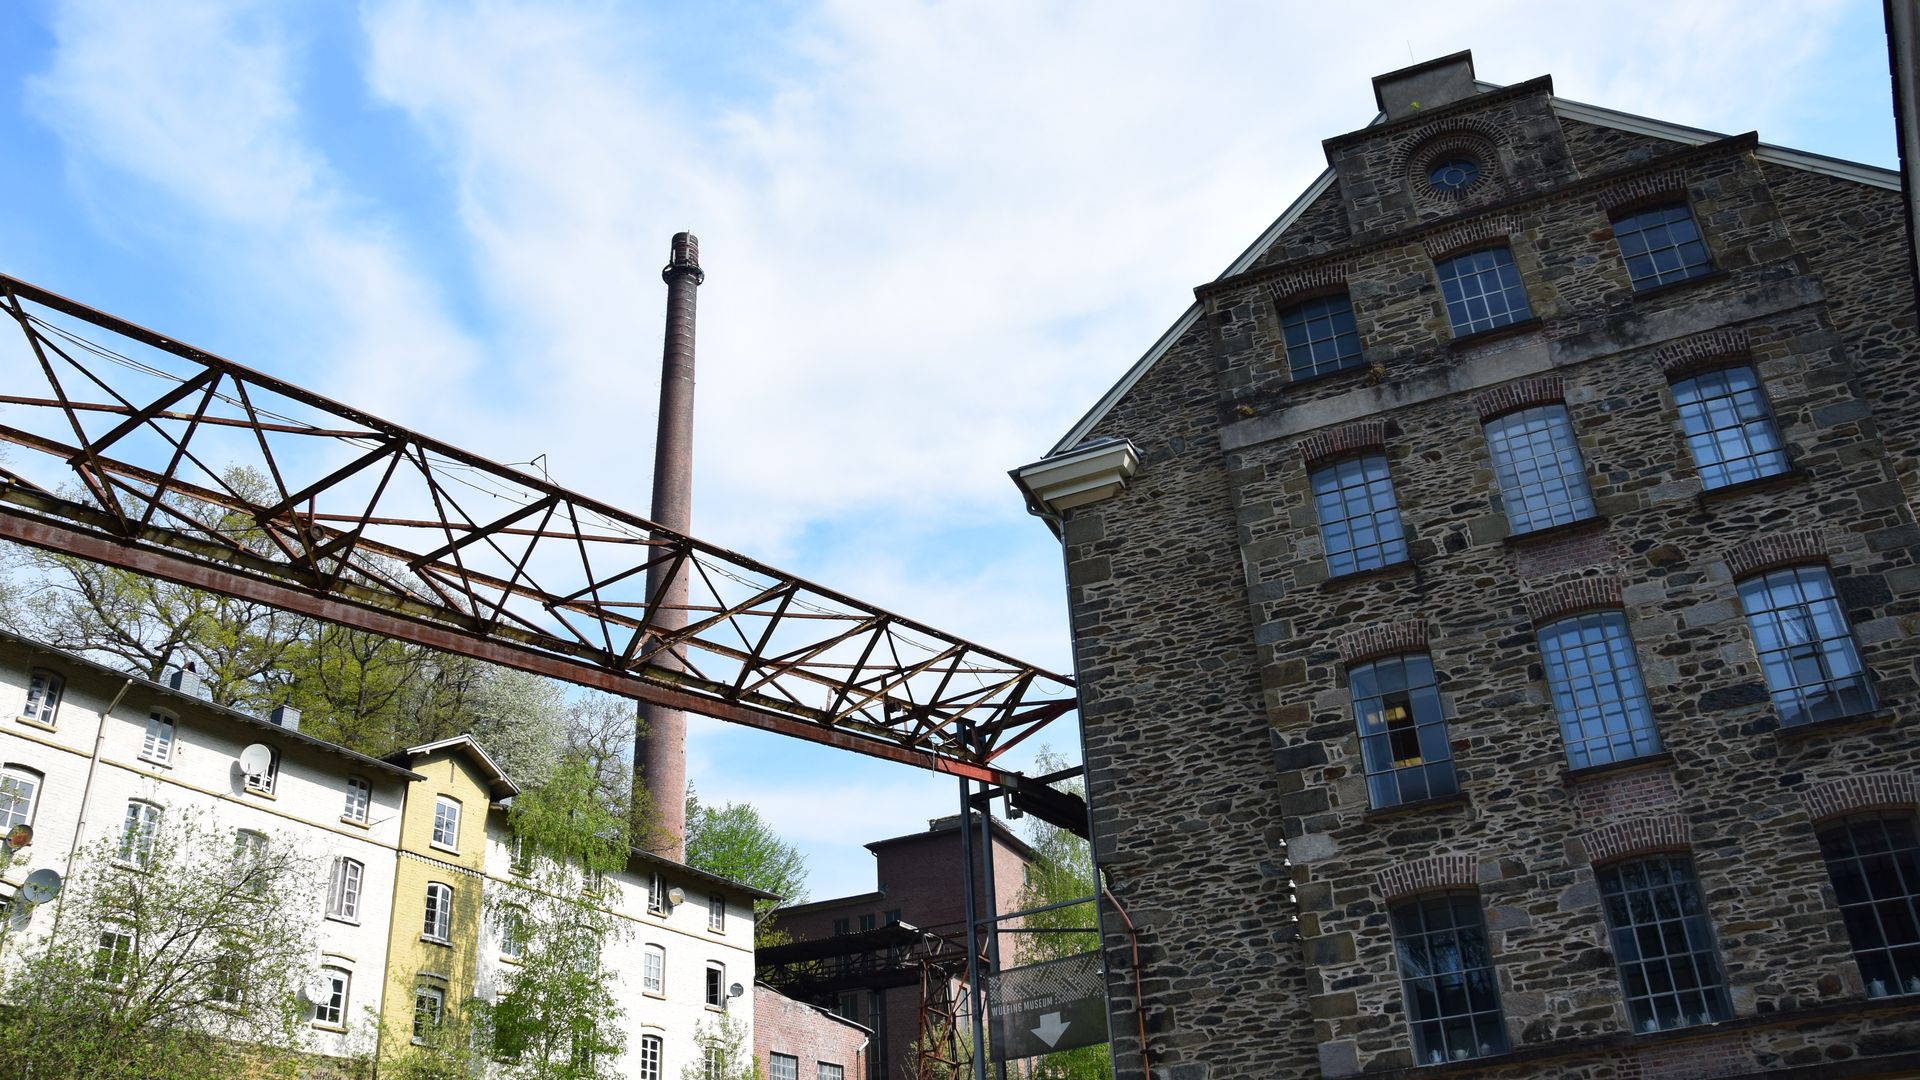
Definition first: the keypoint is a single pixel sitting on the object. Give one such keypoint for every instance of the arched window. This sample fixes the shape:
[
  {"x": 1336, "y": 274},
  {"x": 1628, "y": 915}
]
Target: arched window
[
  {"x": 137, "y": 833},
  {"x": 1320, "y": 336},
  {"x": 157, "y": 746},
  {"x": 331, "y": 1010},
  {"x": 43, "y": 697},
  {"x": 438, "y": 924},
  {"x": 1805, "y": 645},
  {"x": 653, "y": 970},
  {"x": 1482, "y": 290},
  {"x": 1359, "y": 518},
  {"x": 359, "y": 800},
  {"x": 1661, "y": 245},
  {"x": 1662, "y": 940},
  {"x": 19, "y": 794},
  {"x": 1536, "y": 459},
  {"x": 1447, "y": 975},
  {"x": 1598, "y": 694},
  {"x": 650, "y": 1047},
  {"x": 1729, "y": 426},
  {"x": 446, "y": 822},
  {"x": 1403, "y": 732},
  {"x": 1874, "y": 860},
  {"x": 343, "y": 894}
]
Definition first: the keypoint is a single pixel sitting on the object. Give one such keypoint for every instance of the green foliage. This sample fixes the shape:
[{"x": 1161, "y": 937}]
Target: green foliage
[
  {"x": 188, "y": 967},
  {"x": 735, "y": 842},
  {"x": 721, "y": 1052},
  {"x": 1062, "y": 870}
]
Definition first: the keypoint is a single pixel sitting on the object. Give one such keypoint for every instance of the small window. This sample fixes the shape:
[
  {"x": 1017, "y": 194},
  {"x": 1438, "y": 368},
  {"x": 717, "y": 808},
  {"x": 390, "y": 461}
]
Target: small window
[
  {"x": 113, "y": 956},
  {"x": 653, "y": 969},
  {"x": 1320, "y": 337},
  {"x": 43, "y": 697},
  {"x": 1483, "y": 292},
  {"x": 1662, "y": 943},
  {"x": 227, "y": 978},
  {"x": 1359, "y": 519},
  {"x": 1729, "y": 428},
  {"x": 1661, "y": 245},
  {"x": 263, "y": 782},
  {"x": 1453, "y": 173},
  {"x": 429, "y": 1009},
  {"x": 716, "y": 912},
  {"x": 1543, "y": 478},
  {"x": 842, "y": 927},
  {"x": 359, "y": 800},
  {"x": 446, "y": 823},
  {"x": 1874, "y": 860},
  {"x": 19, "y": 791},
  {"x": 1403, "y": 732},
  {"x": 513, "y": 932},
  {"x": 137, "y": 833},
  {"x": 893, "y": 914},
  {"x": 1446, "y": 972},
  {"x": 250, "y": 860},
  {"x": 715, "y": 1060},
  {"x": 343, "y": 896},
  {"x": 650, "y": 1048},
  {"x": 783, "y": 1067},
  {"x": 438, "y": 924},
  {"x": 157, "y": 746},
  {"x": 657, "y": 894},
  {"x": 716, "y": 986},
  {"x": 1805, "y": 646},
  {"x": 520, "y": 854},
  {"x": 331, "y": 1010},
  {"x": 832, "y": 1072},
  {"x": 1598, "y": 694},
  {"x": 866, "y": 923}
]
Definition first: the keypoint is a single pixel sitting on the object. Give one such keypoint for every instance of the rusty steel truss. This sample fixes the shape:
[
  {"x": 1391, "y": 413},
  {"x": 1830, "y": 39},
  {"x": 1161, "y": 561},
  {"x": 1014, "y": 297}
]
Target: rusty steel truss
[{"x": 128, "y": 445}]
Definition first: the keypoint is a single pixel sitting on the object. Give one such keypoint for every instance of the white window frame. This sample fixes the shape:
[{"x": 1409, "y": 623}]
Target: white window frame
[
  {"x": 436, "y": 1000},
  {"x": 513, "y": 932},
  {"x": 653, "y": 970},
  {"x": 44, "y": 691},
  {"x": 716, "y": 988},
  {"x": 827, "y": 1070},
  {"x": 137, "y": 832},
  {"x": 716, "y": 913},
  {"x": 359, "y": 800},
  {"x": 782, "y": 1066},
  {"x": 157, "y": 745},
  {"x": 657, "y": 894},
  {"x": 436, "y": 924},
  {"x": 651, "y": 1047},
  {"x": 12, "y": 779},
  {"x": 331, "y": 1014},
  {"x": 115, "y": 957},
  {"x": 343, "y": 890},
  {"x": 446, "y": 823}
]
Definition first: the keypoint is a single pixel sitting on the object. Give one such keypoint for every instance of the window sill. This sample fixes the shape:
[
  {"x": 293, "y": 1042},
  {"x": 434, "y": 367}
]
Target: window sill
[
  {"x": 1421, "y": 806},
  {"x": 343, "y": 919},
  {"x": 358, "y": 823},
  {"x": 514, "y": 960},
  {"x": 431, "y": 940},
  {"x": 1839, "y": 725},
  {"x": 661, "y": 994},
  {"x": 1773, "y": 481},
  {"x": 257, "y": 793},
  {"x": 32, "y": 723},
  {"x": 1481, "y": 337},
  {"x": 438, "y": 846},
  {"x": 1403, "y": 568},
  {"x": 1360, "y": 368},
  {"x": 658, "y": 913},
  {"x": 1596, "y": 523},
  {"x": 1707, "y": 278},
  {"x": 716, "y": 1008},
  {"x": 318, "y": 1026},
  {"x": 1644, "y": 763},
  {"x": 156, "y": 762}
]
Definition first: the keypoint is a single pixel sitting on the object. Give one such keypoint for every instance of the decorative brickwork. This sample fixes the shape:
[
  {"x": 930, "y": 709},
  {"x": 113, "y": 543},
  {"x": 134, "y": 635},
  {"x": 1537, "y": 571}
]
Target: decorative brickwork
[
  {"x": 1386, "y": 639},
  {"x": 1701, "y": 1059},
  {"x": 1429, "y": 874},
  {"x": 1552, "y": 555},
  {"x": 1306, "y": 282},
  {"x": 1868, "y": 791},
  {"x": 1625, "y": 795},
  {"x": 1470, "y": 234},
  {"x": 1645, "y": 188},
  {"x": 1525, "y": 394},
  {"x": 1573, "y": 597},
  {"x": 1638, "y": 836},
  {"x": 1341, "y": 441},
  {"x": 1779, "y": 549},
  {"x": 1421, "y": 143},
  {"x": 1700, "y": 351}
]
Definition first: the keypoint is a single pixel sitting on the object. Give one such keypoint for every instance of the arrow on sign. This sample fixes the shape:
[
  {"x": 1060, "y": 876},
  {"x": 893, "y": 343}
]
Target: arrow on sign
[{"x": 1051, "y": 1028}]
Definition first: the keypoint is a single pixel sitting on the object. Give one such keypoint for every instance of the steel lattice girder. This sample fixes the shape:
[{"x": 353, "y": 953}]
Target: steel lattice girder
[{"x": 361, "y": 522}]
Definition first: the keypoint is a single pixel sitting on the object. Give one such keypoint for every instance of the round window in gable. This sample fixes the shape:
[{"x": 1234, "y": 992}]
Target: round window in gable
[{"x": 1453, "y": 173}]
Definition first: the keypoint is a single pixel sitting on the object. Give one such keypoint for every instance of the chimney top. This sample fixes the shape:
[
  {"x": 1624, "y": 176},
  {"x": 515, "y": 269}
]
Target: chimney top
[
  {"x": 685, "y": 259},
  {"x": 1426, "y": 85}
]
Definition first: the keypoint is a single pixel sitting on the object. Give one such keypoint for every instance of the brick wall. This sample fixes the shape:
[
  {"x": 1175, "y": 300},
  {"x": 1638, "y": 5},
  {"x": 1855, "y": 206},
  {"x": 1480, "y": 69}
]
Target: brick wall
[{"x": 782, "y": 1025}]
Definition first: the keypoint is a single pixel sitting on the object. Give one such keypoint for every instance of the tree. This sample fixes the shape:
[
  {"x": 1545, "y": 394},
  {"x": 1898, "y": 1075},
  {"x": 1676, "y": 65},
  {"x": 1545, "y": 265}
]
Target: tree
[
  {"x": 735, "y": 842},
  {"x": 177, "y": 951},
  {"x": 723, "y": 1052},
  {"x": 1062, "y": 870},
  {"x": 555, "y": 1016}
]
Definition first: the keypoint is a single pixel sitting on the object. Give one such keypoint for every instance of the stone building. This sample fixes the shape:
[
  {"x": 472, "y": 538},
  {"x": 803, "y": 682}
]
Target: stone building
[{"x": 1497, "y": 614}]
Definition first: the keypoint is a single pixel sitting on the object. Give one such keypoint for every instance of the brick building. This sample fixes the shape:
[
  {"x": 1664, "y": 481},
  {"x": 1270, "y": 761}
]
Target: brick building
[
  {"x": 917, "y": 909},
  {"x": 797, "y": 1041},
  {"x": 1497, "y": 614}
]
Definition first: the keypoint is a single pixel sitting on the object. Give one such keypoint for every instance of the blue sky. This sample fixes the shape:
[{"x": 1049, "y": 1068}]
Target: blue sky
[{"x": 934, "y": 235}]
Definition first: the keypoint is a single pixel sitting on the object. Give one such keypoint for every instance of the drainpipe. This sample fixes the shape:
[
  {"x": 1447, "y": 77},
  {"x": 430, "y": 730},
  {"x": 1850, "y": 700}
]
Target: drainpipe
[{"x": 86, "y": 789}]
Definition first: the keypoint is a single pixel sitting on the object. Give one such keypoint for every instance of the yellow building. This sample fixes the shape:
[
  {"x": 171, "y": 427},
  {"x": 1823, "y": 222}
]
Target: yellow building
[{"x": 435, "y": 931}]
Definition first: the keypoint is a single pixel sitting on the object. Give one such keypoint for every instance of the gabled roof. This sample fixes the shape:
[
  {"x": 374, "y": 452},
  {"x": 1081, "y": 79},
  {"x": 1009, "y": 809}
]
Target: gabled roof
[
  {"x": 1871, "y": 175},
  {"x": 498, "y": 786},
  {"x": 246, "y": 719}
]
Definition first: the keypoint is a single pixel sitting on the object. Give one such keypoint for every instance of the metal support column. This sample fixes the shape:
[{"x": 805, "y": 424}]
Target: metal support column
[{"x": 975, "y": 996}]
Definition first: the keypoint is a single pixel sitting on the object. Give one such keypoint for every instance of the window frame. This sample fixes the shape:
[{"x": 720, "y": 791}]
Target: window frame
[
  {"x": 1455, "y": 271},
  {"x": 1520, "y": 445},
  {"x": 42, "y": 705},
  {"x": 652, "y": 1053},
  {"x": 716, "y": 913},
  {"x": 1850, "y": 693},
  {"x": 113, "y": 962},
  {"x": 436, "y": 924},
  {"x": 139, "y": 829},
  {"x": 339, "y": 995},
  {"x": 266, "y": 782},
  {"x": 344, "y": 887},
  {"x": 1754, "y": 423},
  {"x": 1304, "y": 317},
  {"x": 1658, "y": 278},
  {"x": 161, "y": 736},
  {"x": 1863, "y": 907},
  {"x": 511, "y": 929},
  {"x": 827, "y": 1070},
  {"x": 776, "y": 1061},
  {"x": 446, "y": 812},
  {"x": 12, "y": 775},
  {"x": 1353, "y": 497},
  {"x": 1629, "y": 701},
  {"x": 655, "y": 957},
  {"x": 1424, "y": 710},
  {"x": 359, "y": 805},
  {"x": 1627, "y": 943},
  {"x": 436, "y": 998},
  {"x": 716, "y": 986},
  {"x": 1426, "y": 983},
  {"x": 657, "y": 894}
]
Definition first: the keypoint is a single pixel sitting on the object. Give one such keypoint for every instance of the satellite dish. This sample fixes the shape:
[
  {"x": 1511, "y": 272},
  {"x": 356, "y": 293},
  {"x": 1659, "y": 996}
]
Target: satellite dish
[
  {"x": 318, "y": 988},
  {"x": 256, "y": 759},
  {"x": 41, "y": 886},
  {"x": 19, "y": 836},
  {"x": 676, "y": 895},
  {"x": 736, "y": 990}
]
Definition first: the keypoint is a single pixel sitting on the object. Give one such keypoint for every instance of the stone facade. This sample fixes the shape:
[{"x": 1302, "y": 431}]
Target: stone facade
[{"x": 1230, "y": 798}]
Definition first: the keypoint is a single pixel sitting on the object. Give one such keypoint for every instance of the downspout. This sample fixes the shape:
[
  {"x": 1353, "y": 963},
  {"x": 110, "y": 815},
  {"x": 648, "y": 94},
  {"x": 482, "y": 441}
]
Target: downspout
[{"x": 86, "y": 788}]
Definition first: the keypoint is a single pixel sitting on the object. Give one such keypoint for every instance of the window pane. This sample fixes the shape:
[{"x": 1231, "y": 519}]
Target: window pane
[
  {"x": 1320, "y": 337},
  {"x": 1446, "y": 973},
  {"x": 1359, "y": 519},
  {"x": 1661, "y": 245},
  {"x": 1669, "y": 968},
  {"x": 1403, "y": 739},
  {"x": 1874, "y": 860},
  {"x": 1543, "y": 479},
  {"x": 1729, "y": 428},
  {"x": 18, "y": 789},
  {"x": 1598, "y": 694},
  {"x": 1805, "y": 646},
  {"x": 1482, "y": 291}
]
